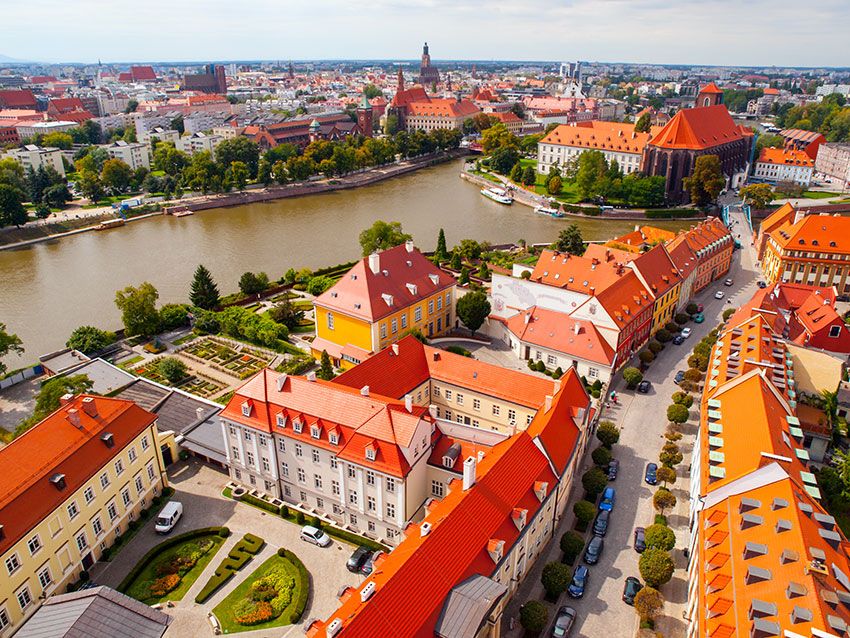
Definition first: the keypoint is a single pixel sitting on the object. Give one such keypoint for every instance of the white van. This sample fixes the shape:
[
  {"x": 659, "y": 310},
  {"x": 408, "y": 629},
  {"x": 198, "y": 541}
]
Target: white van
[{"x": 168, "y": 517}]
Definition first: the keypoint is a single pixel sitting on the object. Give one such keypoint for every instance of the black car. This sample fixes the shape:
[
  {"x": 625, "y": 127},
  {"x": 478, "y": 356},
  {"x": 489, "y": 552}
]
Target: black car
[
  {"x": 680, "y": 376},
  {"x": 644, "y": 387},
  {"x": 369, "y": 565},
  {"x": 613, "y": 469},
  {"x": 600, "y": 525},
  {"x": 762, "y": 284},
  {"x": 650, "y": 475},
  {"x": 358, "y": 558},
  {"x": 640, "y": 540},
  {"x": 630, "y": 590},
  {"x": 564, "y": 622},
  {"x": 678, "y": 340},
  {"x": 594, "y": 550}
]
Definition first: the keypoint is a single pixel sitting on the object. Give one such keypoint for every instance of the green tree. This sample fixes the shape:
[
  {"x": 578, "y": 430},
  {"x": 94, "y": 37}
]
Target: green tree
[
  {"x": 632, "y": 376},
  {"x": 472, "y": 309},
  {"x": 252, "y": 284},
  {"x": 503, "y": 159},
  {"x": 286, "y": 313},
  {"x": 172, "y": 368},
  {"x": 660, "y": 537},
  {"x": 238, "y": 149},
  {"x": 571, "y": 545},
  {"x": 138, "y": 309},
  {"x": 497, "y": 137},
  {"x": 643, "y": 124},
  {"x": 570, "y": 241},
  {"x": 607, "y": 433},
  {"x": 326, "y": 370},
  {"x": 317, "y": 285},
  {"x": 116, "y": 175},
  {"x": 382, "y": 235},
  {"x": 58, "y": 140},
  {"x": 555, "y": 578},
  {"x": 132, "y": 105},
  {"x": 648, "y": 603},
  {"x": 663, "y": 499},
  {"x": 683, "y": 398},
  {"x": 533, "y": 616},
  {"x": 264, "y": 172},
  {"x": 665, "y": 474},
  {"x": 88, "y": 339},
  {"x": 757, "y": 195},
  {"x": 483, "y": 271},
  {"x": 9, "y": 342},
  {"x": 584, "y": 512},
  {"x": 529, "y": 176},
  {"x": 554, "y": 185},
  {"x": 677, "y": 413},
  {"x": 203, "y": 174},
  {"x": 90, "y": 186},
  {"x": 12, "y": 173},
  {"x": 173, "y": 316},
  {"x": 592, "y": 168},
  {"x": 168, "y": 159},
  {"x": 706, "y": 180},
  {"x": 239, "y": 174},
  {"x": 601, "y": 456},
  {"x": 48, "y": 398},
  {"x": 670, "y": 456},
  {"x": 516, "y": 173},
  {"x": 12, "y": 211},
  {"x": 56, "y": 195},
  {"x": 371, "y": 91},
  {"x": 456, "y": 262},
  {"x": 442, "y": 252},
  {"x": 204, "y": 292},
  {"x": 656, "y": 567},
  {"x": 594, "y": 481}
]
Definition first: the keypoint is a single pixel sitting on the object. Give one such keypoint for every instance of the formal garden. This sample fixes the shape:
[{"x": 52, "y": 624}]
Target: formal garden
[
  {"x": 274, "y": 595},
  {"x": 168, "y": 570},
  {"x": 239, "y": 361},
  {"x": 172, "y": 372}
]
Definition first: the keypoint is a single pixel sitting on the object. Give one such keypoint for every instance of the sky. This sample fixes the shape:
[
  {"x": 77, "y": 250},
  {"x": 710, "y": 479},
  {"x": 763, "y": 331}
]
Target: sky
[{"x": 711, "y": 32}]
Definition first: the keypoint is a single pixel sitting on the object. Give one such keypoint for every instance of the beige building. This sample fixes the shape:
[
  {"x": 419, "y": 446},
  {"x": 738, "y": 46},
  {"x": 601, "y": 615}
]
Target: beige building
[
  {"x": 69, "y": 487},
  {"x": 198, "y": 142},
  {"x": 29, "y": 129},
  {"x": 833, "y": 160},
  {"x": 34, "y": 157},
  {"x": 158, "y": 133},
  {"x": 136, "y": 155}
]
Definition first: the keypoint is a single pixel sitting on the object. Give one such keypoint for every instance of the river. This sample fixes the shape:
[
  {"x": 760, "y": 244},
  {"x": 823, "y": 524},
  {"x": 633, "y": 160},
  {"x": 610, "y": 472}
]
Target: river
[{"x": 49, "y": 289}]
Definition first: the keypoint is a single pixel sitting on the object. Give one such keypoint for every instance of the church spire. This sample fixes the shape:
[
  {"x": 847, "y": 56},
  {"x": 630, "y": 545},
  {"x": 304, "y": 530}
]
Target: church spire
[{"x": 400, "y": 85}]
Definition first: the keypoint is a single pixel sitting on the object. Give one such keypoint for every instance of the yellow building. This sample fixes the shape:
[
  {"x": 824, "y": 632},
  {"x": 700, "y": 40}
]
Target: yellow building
[
  {"x": 378, "y": 301},
  {"x": 68, "y": 488}
]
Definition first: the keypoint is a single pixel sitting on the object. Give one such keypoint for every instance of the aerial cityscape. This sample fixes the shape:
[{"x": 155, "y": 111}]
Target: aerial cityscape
[{"x": 432, "y": 321}]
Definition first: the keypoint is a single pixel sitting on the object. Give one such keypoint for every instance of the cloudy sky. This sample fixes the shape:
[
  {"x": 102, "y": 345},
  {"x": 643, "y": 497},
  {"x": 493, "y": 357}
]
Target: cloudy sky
[{"x": 726, "y": 32}]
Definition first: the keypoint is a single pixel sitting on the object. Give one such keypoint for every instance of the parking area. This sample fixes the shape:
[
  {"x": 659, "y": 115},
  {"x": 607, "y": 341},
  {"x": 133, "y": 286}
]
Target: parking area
[
  {"x": 198, "y": 487},
  {"x": 18, "y": 402}
]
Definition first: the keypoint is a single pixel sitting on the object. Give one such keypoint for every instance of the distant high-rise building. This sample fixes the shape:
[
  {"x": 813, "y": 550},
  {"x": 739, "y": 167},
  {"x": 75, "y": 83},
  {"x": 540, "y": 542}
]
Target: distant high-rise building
[{"x": 427, "y": 74}]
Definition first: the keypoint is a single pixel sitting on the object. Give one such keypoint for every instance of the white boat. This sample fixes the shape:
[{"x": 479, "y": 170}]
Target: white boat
[
  {"x": 497, "y": 195},
  {"x": 547, "y": 210},
  {"x": 184, "y": 213}
]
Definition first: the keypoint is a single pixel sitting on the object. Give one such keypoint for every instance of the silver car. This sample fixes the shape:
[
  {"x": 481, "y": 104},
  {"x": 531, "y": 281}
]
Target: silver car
[{"x": 314, "y": 535}]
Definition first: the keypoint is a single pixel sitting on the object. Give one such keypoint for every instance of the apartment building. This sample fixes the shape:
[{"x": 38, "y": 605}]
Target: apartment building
[
  {"x": 34, "y": 157},
  {"x": 378, "y": 301},
  {"x": 775, "y": 165},
  {"x": 713, "y": 245},
  {"x": 69, "y": 487},
  {"x": 31, "y": 129},
  {"x": 198, "y": 143},
  {"x": 136, "y": 155},
  {"x": 160, "y": 134},
  {"x": 617, "y": 141},
  {"x": 833, "y": 160}
]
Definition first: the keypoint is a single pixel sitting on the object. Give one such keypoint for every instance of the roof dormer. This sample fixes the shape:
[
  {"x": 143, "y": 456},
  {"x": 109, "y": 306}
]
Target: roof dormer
[
  {"x": 540, "y": 490},
  {"x": 247, "y": 407},
  {"x": 496, "y": 549},
  {"x": 519, "y": 517}
]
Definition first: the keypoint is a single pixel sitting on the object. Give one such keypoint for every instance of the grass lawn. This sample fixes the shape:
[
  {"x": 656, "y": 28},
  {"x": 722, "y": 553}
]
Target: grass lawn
[
  {"x": 274, "y": 571},
  {"x": 184, "y": 339},
  {"x": 819, "y": 195},
  {"x": 140, "y": 587}
]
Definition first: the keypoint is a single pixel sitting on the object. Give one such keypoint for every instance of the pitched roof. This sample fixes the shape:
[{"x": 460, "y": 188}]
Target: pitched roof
[
  {"x": 641, "y": 236},
  {"x": 65, "y": 443},
  {"x": 699, "y": 129},
  {"x": 559, "y": 428},
  {"x": 443, "y": 107},
  {"x": 605, "y": 136},
  {"x": 821, "y": 233},
  {"x": 785, "y": 157},
  {"x": 404, "y": 276},
  {"x": 561, "y": 333},
  {"x": 711, "y": 87}
]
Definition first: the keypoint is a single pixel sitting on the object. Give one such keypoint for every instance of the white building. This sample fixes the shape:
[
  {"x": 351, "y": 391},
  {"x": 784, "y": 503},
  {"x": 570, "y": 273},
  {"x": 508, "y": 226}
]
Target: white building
[
  {"x": 134, "y": 154},
  {"x": 198, "y": 142},
  {"x": 34, "y": 157},
  {"x": 784, "y": 165},
  {"x": 616, "y": 140},
  {"x": 28, "y": 130},
  {"x": 158, "y": 133},
  {"x": 833, "y": 160}
]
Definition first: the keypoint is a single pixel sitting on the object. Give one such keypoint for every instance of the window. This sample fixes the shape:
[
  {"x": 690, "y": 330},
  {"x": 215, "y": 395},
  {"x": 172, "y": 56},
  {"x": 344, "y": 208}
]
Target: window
[
  {"x": 551, "y": 359},
  {"x": 262, "y": 440},
  {"x": 248, "y": 436},
  {"x": 73, "y": 510},
  {"x": 352, "y": 519},
  {"x": 476, "y": 404},
  {"x": 296, "y": 427},
  {"x": 302, "y": 476},
  {"x": 315, "y": 432},
  {"x": 284, "y": 469},
  {"x": 12, "y": 564},
  {"x": 370, "y": 477},
  {"x": 370, "y": 503},
  {"x": 252, "y": 479},
  {"x": 315, "y": 454},
  {"x": 593, "y": 372},
  {"x": 44, "y": 578},
  {"x": 330, "y": 321},
  {"x": 281, "y": 445},
  {"x": 437, "y": 488},
  {"x": 4, "y": 618},
  {"x": 266, "y": 466},
  {"x": 528, "y": 419},
  {"x": 394, "y": 326},
  {"x": 24, "y": 598},
  {"x": 132, "y": 455},
  {"x": 34, "y": 544},
  {"x": 834, "y": 331},
  {"x": 403, "y": 322},
  {"x": 439, "y": 303},
  {"x": 431, "y": 307},
  {"x": 390, "y": 485},
  {"x": 511, "y": 415},
  {"x": 249, "y": 458},
  {"x": 268, "y": 485},
  {"x": 88, "y": 495},
  {"x": 97, "y": 526},
  {"x": 459, "y": 398},
  {"x": 371, "y": 526},
  {"x": 298, "y": 450},
  {"x": 145, "y": 443},
  {"x": 82, "y": 541},
  {"x": 448, "y": 395},
  {"x": 333, "y": 463},
  {"x": 447, "y": 415},
  {"x": 125, "y": 497},
  {"x": 390, "y": 510},
  {"x": 237, "y": 473},
  {"x": 112, "y": 511},
  {"x": 417, "y": 313},
  {"x": 287, "y": 491},
  {"x": 391, "y": 533},
  {"x": 333, "y": 438},
  {"x": 317, "y": 481},
  {"x": 104, "y": 480},
  {"x": 335, "y": 488},
  {"x": 232, "y": 430},
  {"x": 151, "y": 473},
  {"x": 351, "y": 472},
  {"x": 140, "y": 485},
  {"x": 436, "y": 390},
  {"x": 320, "y": 503},
  {"x": 235, "y": 452},
  {"x": 496, "y": 410},
  {"x": 383, "y": 331},
  {"x": 370, "y": 454},
  {"x": 352, "y": 497}
]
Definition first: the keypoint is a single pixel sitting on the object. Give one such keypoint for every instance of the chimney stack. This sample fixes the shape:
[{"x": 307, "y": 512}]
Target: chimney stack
[
  {"x": 65, "y": 399},
  {"x": 199, "y": 413},
  {"x": 469, "y": 472},
  {"x": 395, "y": 349},
  {"x": 547, "y": 405},
  {"x": 409, "y": 245},
  {"x": 89, "y": 407},
  {"x": 408, "y": 402},
  {"x": 375, "y": 263},
  {"x": 364, "y": 391},
  {"x": 74, "y": 417},
  {"x": 311, "y": 376},
  {"x": 281, "y": 381}
]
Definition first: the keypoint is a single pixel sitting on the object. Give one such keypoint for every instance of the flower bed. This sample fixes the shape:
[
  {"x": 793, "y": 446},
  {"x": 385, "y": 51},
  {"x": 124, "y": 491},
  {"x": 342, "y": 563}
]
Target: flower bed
[
  {"x": 238, "y": 361},
  {"x": 273, "y": 596},
  {"x": 244, "y": 550}
]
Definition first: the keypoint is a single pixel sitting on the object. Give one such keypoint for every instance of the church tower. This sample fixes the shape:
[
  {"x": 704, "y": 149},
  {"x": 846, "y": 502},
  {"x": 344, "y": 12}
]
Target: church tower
[
  {"x": 709, "y": 95},
  {"x": 364, "y": 117}
]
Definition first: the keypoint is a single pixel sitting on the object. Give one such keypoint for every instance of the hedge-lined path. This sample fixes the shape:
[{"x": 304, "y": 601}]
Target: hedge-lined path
[{"x": 199, "y": 488}]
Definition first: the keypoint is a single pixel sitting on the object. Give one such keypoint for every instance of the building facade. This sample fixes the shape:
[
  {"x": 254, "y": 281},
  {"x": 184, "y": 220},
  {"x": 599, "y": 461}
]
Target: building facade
[
  {"x": 776, "y": 165},
  {"x": 833, "y": 160},
  {"x": 136, "y": 155},
  {"x": 617, "y": 141},
  {"x": 34, "y": 157}
]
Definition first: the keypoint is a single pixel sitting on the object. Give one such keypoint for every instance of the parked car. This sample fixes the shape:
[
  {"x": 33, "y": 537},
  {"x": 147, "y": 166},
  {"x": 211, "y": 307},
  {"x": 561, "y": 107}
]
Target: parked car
[
  {"x": 594, "y": 550},
  {"x": 644, "y": 387},
  {"x": 356, "y": 560},
  {"x": 686, "y": 332},
  {"x": 630, "y": 590},
  {"x": 699, "y": 317},
  {"x": 168, "y": 517},
  {"x": 369, "y": 565},
  {"x": 678, "y": 340},
  {"x": 640, "y": 539},
  {"x": 680, "y": 376},
  {"x": 609, "y": 497},
  {"x": 762, "y": 284},
  {"x": 314, "y": 535},
  {"x": 728, "y": 282},
  {"x": 613, "y": 469},
  {"x": 564, "y": 622},
  {"x": 718, "y": 294},
  {"x": 650, "y": 474},
  {"x": 600, "y": 525},
  {"x": 576, "y": 588},
  {"x": 700, "y": 308}
]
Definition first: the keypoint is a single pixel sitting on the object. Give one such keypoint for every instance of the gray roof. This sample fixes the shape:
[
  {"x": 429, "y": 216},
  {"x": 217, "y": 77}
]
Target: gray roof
[
  {"x": 93, "y": 613},
  {"x": 146, "y": 395},
  {"x": 62, "y": 360},
  {"x": 467, "y": 607},
  {"x": 176, "y": 411},
  {"x": 105, "y": 377},
  {"x": 206, "y": 439}
]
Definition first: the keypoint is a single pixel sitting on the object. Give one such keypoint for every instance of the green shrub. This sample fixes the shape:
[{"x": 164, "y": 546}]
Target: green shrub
[
  {"x": 224, "y": 532},
  {"x": 601, "y": 456},
  {"x": 262, "y": 504},
  {"x": 303, "y": 590},
  {"x": 236, "y": 559},
  {"x": 299, "y": 518}
]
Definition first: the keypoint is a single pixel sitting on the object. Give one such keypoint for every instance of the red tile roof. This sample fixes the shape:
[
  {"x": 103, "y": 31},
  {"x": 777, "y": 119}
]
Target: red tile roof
[
  {"x": 699, "y": 129},
  {"x": 442, "y": 107},
  {"x": 561, "y": 333},
  {"x": 785, "y": 157},
  {"x": 17, "y": 99},
  {"x": 606, "y": 136}
]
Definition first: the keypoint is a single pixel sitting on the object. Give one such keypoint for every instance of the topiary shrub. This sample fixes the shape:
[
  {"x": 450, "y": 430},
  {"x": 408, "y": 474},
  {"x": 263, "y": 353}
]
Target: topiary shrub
[
  {"x": 224, "y": 532},
  {"x": 533, "y": 616},
  {"x": 655, "y": 346},
  {"x": 601, "y": 456},
  {"x": 299, "y": 518}
]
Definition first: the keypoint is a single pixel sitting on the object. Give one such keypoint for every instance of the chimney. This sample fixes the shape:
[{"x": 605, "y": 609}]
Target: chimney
[
  {"x": 65, "y": 399},
  {"x": 800, "y": 214},
  {"x": 425, "y": 529},
  {"x": 408, "y": 402},
  {"x": 436, "y": 356},
  {"x": 527, "y": 318},
  {"x": 547, "y": 404},
  {"x": 408, "y": 245},
  {"x": 432, "y": 411},
  {"x": 480, "y": 455},
  {"x": 281, "y": 381},
  {"x": 199, "y": 413},
  {"x": 89, "y": 407},
  {"x": 469, "y": 472},
  {"x": 577, "y": 327},
  {"x": 395, "y": 349},
  {"x": 311, "y": 376},
  {"x": 364, "y": 391},
  {"x": 74, "y": 417},
  {"x": 375, "y": 263}
]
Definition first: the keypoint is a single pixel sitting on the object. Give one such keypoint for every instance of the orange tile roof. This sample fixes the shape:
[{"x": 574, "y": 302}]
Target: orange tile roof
[
  {"x": 699, "y": 129},
  {"x": 641, "y": 236},
  {"x": 605, "y": 136},
  {"x": 785, "y": 157},
  {"x": 711, "y": 87},
  {"x": 443, "y": 107},
  {"x": 815, "y": 233},
  {"x": 578, "y": 274},
  {"x": 57, "y": 445},
  {"x": 777, "y": 218},
  {"x": 404, "y": 277},
  {"x": 561, "y": 333}
]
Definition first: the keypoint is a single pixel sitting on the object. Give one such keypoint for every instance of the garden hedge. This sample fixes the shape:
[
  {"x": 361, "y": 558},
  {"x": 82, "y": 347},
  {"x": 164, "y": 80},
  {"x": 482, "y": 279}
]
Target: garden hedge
[
  {"x": 242, "y": 552},
  {"x": 153, "y": 552},
  {"x": 354, "y": 539},
  {"x": 258, "y": 502},
  {"x": 304, "y": 589}
]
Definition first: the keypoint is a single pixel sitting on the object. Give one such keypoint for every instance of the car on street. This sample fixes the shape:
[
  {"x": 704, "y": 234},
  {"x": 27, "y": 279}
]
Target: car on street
[
  {"x": 576, "y": 588},
  {"x": 644, "y": 387},
  {"x": 678, "y": 340},
  {"x": 356, "y": 560},
  {"x": 762, "y": 284},
  {"x": 314, "y": 535},
  {"x": 594, "y": 550},
  {"x": 699, "y": 317},
  {"x": 640, "y": 539},
  {"x": 600, "y": 525},
  {"x": 609, "y": 497},
  {"x": 564, "y": 622},
  {"x": 613, "y": 469},
  {"x": 718, "y": 294},
  {"x": 700, "y": 308},
  {"x": 728, "y": 282},
  {"x": 650, "y": 475},
  {"x": 686, "y": 332},
  {"x": 680, "y": 376},
  {"x": 168, "y": 517},
  {"x": 369, "y": 565},
  {"x": 630, "y": 590}
]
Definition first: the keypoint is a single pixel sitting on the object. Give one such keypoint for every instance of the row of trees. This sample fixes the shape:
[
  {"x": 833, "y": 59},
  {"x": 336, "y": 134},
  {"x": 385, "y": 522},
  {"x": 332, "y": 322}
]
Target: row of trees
[{"x": 831, "y": 117}]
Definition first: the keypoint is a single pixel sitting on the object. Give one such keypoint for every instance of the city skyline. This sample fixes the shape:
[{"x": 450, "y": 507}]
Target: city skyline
[{"x": 604, "y": 31}]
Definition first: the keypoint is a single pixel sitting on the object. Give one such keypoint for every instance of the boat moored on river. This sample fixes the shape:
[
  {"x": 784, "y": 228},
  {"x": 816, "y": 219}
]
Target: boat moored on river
[
  {"x": 499, "y": 195},
  {"x": 548, "y": 210}
]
